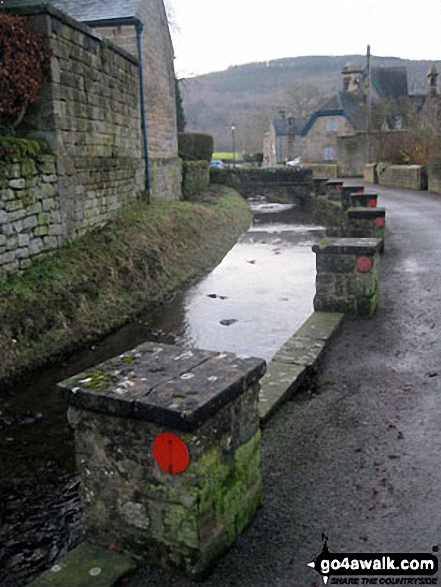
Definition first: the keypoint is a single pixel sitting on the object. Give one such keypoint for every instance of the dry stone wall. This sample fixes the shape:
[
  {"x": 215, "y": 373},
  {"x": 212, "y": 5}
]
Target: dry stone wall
[{"x": 30, "y": 214}]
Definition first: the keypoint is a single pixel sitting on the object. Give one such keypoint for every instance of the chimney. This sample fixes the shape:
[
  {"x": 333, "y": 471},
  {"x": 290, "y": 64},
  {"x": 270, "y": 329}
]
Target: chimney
[{"x": 432, "y": 81}]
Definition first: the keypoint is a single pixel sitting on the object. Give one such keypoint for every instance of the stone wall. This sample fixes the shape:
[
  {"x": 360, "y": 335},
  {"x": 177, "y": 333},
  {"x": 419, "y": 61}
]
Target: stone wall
[
  {"x": 89, "y": 113},
  {"x": 434, "y": 179},
  {"x": 351, "y": 153},
  {"x": 411, "y": 177},
  {"x": 322, "y": 170},
  {"x": 195, "y": 177},
  {"x": 159, "y": 89},
  {"x": 30, "y": 216},
  {"x": 318, "y": 138}
]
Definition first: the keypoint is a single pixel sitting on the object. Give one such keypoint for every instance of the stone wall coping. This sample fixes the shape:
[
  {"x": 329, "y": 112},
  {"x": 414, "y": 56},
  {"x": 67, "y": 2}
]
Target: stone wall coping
[
  {"x": 366, "y": 212},
  {"x": 349, "y": 246},
  {"x": 49, "y": 10},
  {"x": 365, "y": 194},
  {"x": 164, "y": 384}
]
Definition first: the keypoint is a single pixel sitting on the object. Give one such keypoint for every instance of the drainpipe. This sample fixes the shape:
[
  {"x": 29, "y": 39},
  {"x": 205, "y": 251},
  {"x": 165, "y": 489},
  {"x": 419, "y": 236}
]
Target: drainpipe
[{"x": 139, "y": 28}]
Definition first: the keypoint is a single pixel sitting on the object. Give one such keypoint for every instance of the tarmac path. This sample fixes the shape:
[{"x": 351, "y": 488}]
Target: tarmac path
[{"x": 359, "y": 458}]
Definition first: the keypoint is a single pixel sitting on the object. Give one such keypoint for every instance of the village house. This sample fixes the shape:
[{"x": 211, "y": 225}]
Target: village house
[
  {"x": 140, "y": 27},
  {"x": 283, "y": 142},
  {"x": 345, "y": 113}
]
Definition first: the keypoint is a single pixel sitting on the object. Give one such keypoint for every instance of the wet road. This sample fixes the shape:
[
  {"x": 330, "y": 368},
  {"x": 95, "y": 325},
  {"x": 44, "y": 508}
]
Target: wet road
[{"x": 358, "y": 458}]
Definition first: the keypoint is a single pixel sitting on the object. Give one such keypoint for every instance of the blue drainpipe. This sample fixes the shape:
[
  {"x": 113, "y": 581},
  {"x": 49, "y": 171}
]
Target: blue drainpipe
[
  {"x": 105, "y": 22},
  {"x": 139, "y": 28}
]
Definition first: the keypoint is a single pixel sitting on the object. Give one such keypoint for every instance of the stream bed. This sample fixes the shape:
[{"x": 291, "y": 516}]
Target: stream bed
[{"x": 250, "y": 304}]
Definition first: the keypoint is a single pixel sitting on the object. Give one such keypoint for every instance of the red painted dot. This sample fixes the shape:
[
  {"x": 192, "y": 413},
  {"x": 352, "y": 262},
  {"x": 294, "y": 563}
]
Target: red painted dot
[
  {"x": 170, "y": 453},
  {"x": 360, "y": 191},
  {"x": 364, "y": 264},
  {"x": 372, "y": 203},
  {"x": 379, "y": 221},
  {"x": 339, "y": 185}
]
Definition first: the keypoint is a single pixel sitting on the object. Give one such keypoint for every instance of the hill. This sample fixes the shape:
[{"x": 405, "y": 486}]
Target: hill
[{"x": 252, "y": 94}]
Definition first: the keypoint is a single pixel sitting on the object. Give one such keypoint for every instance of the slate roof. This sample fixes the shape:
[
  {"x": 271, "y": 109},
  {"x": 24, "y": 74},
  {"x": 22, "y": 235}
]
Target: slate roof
[
  {"x": 348, "y": 104},
  {"x": 283, "y": 127},
  {"x": 390, "y": 82},
  {"x": 86, "y": 10}
]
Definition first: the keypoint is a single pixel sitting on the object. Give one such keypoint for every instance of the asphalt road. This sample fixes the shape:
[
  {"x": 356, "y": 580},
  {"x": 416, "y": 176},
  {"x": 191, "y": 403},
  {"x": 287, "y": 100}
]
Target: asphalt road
[{"x": 359, "y": 460}]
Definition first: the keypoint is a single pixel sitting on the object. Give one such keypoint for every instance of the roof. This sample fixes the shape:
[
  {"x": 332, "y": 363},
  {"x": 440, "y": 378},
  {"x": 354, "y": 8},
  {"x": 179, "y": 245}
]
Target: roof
[
  {"x": 346, "y": 104},
  {"x": 86, "y": 10},
  {"x": 390, "y": 82},
  {"x": 289, "y": 126}
]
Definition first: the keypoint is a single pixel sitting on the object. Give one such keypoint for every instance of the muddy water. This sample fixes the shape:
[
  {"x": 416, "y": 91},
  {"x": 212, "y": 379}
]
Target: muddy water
[{"x": 250, "y": 304}]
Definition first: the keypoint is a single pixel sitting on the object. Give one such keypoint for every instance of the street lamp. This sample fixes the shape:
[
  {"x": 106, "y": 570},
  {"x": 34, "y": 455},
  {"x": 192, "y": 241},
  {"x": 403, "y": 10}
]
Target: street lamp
[{"x": 233, "y": 128}]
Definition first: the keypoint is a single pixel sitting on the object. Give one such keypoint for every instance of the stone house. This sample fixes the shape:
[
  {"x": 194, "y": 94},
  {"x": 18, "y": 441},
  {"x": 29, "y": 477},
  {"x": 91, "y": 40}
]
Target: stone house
[
  {"x": 140, "y": 27},
  {"x": 283, "y": 142},
  {"x": 345, "y": 113}
]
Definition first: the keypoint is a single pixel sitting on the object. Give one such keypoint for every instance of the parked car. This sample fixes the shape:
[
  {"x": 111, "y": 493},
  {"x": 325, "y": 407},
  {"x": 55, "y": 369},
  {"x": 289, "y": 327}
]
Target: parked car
[{"x": 217, "y": 163}]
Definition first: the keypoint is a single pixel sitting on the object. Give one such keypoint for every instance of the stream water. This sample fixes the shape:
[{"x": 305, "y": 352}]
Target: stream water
[{"x": 250, "y": 304}]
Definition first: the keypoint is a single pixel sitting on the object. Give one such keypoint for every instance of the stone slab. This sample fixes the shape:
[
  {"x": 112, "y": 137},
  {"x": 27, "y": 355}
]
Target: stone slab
[
  {"x": 286, "y": 372},
  {"x": 87, "y": 565},
  {"x": 164, "y": 384},
  {"x": 355, "y": 246},
  {"x": 277, "y": 385}
]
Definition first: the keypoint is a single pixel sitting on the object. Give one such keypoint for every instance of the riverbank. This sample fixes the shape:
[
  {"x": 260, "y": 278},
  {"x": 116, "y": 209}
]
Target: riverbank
[{"x": 106, "y": 278}]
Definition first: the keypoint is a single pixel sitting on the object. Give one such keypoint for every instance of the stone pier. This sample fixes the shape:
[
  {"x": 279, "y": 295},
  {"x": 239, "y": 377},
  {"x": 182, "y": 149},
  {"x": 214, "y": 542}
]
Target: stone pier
[
  {"x": 167, "y": 442},
  {"x": 366, "y": 223},
  {"x": 365, "y": 200},
  {"x": 347, "y": 276},
  {"x": 347, "y": 191}
]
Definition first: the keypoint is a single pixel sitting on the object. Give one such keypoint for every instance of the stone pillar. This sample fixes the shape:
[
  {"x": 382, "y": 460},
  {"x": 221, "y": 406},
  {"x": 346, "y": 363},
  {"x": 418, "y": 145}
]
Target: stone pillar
[
  {"x": 366, "y": 223},
  {"x": 364, "y": 200},
  {"x": 347, "y": 276},
  {"x": 333, "y": 187},
  {"x": 167, "y": 442},
  {"x": 346, "y": 192}
]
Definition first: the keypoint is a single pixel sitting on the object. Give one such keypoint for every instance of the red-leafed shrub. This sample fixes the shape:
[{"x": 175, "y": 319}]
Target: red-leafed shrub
[{"x": 24, "y": 59}]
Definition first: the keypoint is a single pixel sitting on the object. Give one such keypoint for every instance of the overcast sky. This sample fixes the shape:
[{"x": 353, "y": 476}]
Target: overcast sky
[{"x": 211, "y": 35}]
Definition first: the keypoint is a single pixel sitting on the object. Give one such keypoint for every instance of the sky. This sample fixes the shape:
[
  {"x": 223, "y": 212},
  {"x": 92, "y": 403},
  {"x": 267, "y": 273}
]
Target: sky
[{"x": 212, "y": 35}]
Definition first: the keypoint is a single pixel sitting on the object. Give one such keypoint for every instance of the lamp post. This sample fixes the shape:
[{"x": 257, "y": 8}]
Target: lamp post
[{"x": 233, "y": 128}]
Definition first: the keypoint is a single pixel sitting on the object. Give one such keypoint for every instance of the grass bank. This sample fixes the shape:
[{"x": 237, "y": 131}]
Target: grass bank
[{"x": 101, "y": 281}]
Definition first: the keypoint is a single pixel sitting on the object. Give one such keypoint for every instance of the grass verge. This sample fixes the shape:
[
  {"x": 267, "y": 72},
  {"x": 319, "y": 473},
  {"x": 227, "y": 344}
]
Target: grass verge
[{"x": 101, "y": 281}]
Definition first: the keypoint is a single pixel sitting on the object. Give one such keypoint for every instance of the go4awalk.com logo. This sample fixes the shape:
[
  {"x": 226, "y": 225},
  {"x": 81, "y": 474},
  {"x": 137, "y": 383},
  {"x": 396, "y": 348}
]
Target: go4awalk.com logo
[{"x": 374, "y": 568}]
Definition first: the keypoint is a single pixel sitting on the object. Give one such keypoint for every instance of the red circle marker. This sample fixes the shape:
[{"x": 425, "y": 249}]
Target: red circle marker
[
  {"x": 379, "y": 221},
  {"x": 364, "y": 264},
  {"x": 372, "y": 203},
  {"x": 170, "y": 453},
  {"x": 360, "y": 191},
  {"x": 339, "y": 185}
]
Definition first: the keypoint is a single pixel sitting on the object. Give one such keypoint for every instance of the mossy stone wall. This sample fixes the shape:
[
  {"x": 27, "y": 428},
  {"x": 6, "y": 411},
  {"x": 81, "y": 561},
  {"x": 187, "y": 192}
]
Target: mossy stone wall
[{"x": 30, "y": 211}]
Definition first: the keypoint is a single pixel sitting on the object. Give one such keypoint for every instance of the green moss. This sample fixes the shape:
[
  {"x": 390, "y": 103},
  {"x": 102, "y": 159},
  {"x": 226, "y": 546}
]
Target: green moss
[
  {"x": 97, "y": 380},
  {"x": 128, "y": 358},
  {"x": 15, "y": 149}
]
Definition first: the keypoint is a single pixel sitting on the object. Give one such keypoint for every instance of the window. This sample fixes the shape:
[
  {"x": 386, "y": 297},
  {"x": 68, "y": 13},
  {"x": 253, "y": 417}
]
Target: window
[
  {"x": 332, "y": 124},
  {"x": 328, "y": 153}
]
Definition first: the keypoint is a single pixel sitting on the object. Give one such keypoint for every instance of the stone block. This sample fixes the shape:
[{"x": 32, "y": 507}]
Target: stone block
[
  {"x": 355, "y": 291},
  {"x": 17, "y": 184},
  {"x": 132, "y": 496}
]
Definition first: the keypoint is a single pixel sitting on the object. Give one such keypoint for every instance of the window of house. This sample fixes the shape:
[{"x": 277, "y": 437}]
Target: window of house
[
  {"x": 332, "y": 124},
  {"x": 328, "y": 153}
]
